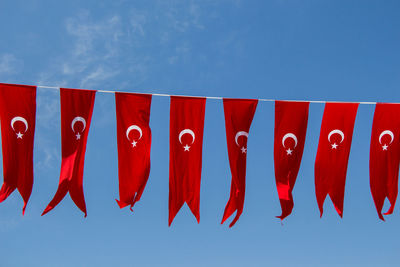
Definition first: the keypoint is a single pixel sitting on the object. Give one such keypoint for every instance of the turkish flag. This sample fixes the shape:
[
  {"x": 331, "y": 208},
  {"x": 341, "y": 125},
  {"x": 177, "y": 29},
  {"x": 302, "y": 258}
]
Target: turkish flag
[
  {"x": 76, "y": 115},
  {"x": 290, "y": 134},
  {"x": 239, "y": 114},
  {"x": 385, "y": 156},
  {"x": 185, "y": 154},
  {"x": 333, "y": 153},
  {"x": 17, "y": 113},
  {"x": 134, "y": 142}
]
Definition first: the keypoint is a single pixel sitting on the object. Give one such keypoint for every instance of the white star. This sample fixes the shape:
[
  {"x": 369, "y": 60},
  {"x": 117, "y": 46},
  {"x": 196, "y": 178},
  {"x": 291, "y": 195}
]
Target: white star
[
  {"x": 186, "y": 148},
  {"x": 244, "y": 150},
  {"x": 78, "y": 136},
  {"x": 19, "y": 135},
  {"x": 134, "y": 143},
  {"x": 334, "y": 146},
  {"x": 289, "y": 151},
  {"x": 384, "y": 147}
]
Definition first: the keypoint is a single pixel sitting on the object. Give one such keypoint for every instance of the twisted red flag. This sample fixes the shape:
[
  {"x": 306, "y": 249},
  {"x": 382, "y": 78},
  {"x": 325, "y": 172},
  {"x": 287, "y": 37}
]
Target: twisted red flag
[
  {"x": 76, "y": 115},
  {"x": 134, "y": 142},
  {"x": 239, "y": 114},
  {"x": 385, "y": 156},
  {"x": 185, "y": 155},
  {"x": 290, "y": 135},
  {"x": 17, "y": 113},
  {"x": 333, "y": 153}
]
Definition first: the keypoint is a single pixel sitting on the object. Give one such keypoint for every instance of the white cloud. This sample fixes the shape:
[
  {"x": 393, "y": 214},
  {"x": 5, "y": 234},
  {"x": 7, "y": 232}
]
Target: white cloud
[
  {"x": 87, "y": 32},
  {"x": 97, "y": 75},
  {"x": 172, "y": 60},
  {"x": 195, "y": 14},
  {"x": 93, "y": 42},
  {"x": 49, "y": 155},
  {"x": 9, "y": 64},
  {"x": 138, "y": 22},
  {"x": 182, "y": 18},
  {"x": 92, "y": 55},
  {"x": 182, "y": 52},
  {"x": 122, "y": 45},
  {"x": 48, "y": 109},
  {"x": 47, "y": 127}
]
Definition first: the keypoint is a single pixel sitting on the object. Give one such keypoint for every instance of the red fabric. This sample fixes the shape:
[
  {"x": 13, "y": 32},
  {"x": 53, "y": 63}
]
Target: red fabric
[
  {"x": 333, "y": 153},
  {"x": 290, "y": 134},
  {"x": 385, "y": 156},
  {"x": 134, "y": 142},
  {"x": 17, "y": 113},
  {"x": 76, "y": 115},
  {"x": 239, "y": 114},
  {"x": 185, "y": 154}
]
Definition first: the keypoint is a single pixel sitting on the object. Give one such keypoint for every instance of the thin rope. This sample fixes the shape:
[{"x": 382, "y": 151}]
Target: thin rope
[{"x": 215, "y": 97}]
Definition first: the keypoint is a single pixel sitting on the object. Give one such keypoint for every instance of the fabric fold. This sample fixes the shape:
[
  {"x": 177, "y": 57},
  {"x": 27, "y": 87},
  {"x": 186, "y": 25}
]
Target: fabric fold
[
  {"x": 333, "y": 153},
  {"x": 385, "y": 156},
  {"x": 76, "y": 115},
  {"x": 289, "y": 138},
  {"x": 185, "y": 154},
  {"x": 134, "y": 144},
  {"x": 18, "y": 115},
  {"x": 239, "y": 114}
]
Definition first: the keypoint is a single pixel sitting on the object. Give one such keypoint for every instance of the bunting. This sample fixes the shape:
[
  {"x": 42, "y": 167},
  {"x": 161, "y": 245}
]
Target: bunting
[{"x": 18, "y": 116}]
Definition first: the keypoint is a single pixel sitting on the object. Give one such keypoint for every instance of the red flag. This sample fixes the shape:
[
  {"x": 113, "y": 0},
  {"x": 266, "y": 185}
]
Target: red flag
[
  {"x": 134, "y": 142},
  {"x": 290, "y": 134},
  {"x": 238, "y": 117},
  {"x": 76, "y": 115},
  {"x": 333, "y": 153},
  {"x": 17, "y": 113},
  {"x": 385, "y": 156},
  {"x": 185, "y": 154}
]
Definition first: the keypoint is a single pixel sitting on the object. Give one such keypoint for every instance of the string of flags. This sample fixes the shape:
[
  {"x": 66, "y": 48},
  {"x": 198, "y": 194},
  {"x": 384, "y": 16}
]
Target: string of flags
[{"x": 18, "y": 116}]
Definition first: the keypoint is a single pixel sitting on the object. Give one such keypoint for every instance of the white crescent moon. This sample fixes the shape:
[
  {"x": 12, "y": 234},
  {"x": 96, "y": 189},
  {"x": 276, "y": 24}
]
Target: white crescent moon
[
  {"x": 186, "y": 131},
  {"x": 21, "y": 119},
  {"x": 336, "y": 131},
  {"x": 133, "y": 127},
  {"x": 76, "y": 119},
  {"x": 289, "y": 135},
  {"x": 240, "y": 133},
  {"x": 390, "y": 133}
]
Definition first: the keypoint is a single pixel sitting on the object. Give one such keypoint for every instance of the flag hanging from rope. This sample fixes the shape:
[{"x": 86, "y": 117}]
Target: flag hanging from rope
[
  {"x": 385, "y": 156},
  {"x": 134, "y": 142},
  {"x": 239, "y": 114},
  {"x": 76, "y": 115},
  {"x": 18, "y": 115},
  {"x": 333, "y": 153},
  {"x": 185, "y": 154},
  {"x": 290, "y": 135}
]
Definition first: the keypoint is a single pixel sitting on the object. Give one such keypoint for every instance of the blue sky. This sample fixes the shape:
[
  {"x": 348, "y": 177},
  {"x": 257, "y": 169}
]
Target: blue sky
[{"x": 281, "y": 49}]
